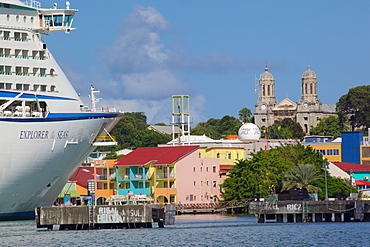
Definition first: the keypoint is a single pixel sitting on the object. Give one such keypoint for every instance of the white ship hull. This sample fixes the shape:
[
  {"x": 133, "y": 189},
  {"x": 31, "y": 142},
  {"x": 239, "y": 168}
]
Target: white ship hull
[
  {"x": 38, "y": 158},
  {"x": 45, "y": 129}
]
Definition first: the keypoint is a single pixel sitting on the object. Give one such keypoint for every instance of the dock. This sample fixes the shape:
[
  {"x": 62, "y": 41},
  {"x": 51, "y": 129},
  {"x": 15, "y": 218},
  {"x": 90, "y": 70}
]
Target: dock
[
  {"x": 104, "y": 216},
  {"x": 310, "y": 211},
  {"x": 213, "y": 208}
]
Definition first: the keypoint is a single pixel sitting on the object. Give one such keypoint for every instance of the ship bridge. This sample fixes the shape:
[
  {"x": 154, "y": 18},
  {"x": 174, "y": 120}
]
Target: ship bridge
[{"x": 53, "y": 20}]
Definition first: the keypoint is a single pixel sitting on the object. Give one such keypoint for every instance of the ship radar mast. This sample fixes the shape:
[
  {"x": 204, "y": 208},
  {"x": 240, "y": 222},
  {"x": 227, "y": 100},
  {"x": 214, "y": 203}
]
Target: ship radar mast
[{"x": 94, "y": 100}]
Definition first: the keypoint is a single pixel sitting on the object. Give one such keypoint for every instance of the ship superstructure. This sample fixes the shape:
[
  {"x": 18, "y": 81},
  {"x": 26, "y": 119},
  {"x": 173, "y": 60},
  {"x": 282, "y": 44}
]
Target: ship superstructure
[{"x": 46, "y": 130}]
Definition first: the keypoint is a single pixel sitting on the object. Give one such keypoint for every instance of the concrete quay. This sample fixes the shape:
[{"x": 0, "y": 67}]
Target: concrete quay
[{"x": 105, "y": 217}]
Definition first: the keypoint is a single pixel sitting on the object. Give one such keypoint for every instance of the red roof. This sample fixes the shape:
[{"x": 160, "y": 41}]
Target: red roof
[
  {"x": 81, "y": 175},
  {"x": 347, "y": 167},
  {"x": 155, "y": 155},
  {"x": 362, "y": 182}
]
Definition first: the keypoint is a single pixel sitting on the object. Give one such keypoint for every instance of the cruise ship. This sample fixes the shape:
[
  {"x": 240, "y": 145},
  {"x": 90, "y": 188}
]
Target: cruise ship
[{"x": 46, "y": 131}]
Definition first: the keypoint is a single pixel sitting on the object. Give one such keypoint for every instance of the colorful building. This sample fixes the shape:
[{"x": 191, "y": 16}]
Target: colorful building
[
  {"x": 104, "y": 180},
  {"x": 169, "y": 175},
  {"x": 358, "y": 174},
  {"x": 331, "y": 150},
  {"x": 75, "y": 192}
]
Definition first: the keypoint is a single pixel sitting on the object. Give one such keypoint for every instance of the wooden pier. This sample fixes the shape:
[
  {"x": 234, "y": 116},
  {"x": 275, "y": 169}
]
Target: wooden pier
[
  {"x": 310, "y": 211},
  {"x": 212, "y": 208},
  {"x": 105, "y": 217}
]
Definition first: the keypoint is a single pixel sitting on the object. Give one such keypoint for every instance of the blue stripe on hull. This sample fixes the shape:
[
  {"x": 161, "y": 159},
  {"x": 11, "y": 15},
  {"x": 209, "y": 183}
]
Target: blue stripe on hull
[
  {"x": 5, "y": 94},
  {"x": 55, "y": 117},
  {"x": 29, "y": 215}
]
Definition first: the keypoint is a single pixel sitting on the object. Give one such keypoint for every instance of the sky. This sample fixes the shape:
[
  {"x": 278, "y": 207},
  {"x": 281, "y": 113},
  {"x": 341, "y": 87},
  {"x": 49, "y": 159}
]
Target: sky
[{"x": 140, "y": 53}]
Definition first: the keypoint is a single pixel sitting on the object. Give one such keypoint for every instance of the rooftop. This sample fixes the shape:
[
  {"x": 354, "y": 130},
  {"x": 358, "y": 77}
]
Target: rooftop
[{"x": 155, "y": 155}]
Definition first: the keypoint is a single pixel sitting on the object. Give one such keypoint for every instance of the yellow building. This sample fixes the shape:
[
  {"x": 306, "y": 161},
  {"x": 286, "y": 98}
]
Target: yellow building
[
  {"x": 332, "y": 151},
  {"x": 226, "y": 155}
]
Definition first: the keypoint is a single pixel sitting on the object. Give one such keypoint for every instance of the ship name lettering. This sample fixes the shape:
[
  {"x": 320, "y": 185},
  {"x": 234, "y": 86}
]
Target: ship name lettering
[
  {"x": 62, "y": 134},
  {"x": 40, "y": 134}
]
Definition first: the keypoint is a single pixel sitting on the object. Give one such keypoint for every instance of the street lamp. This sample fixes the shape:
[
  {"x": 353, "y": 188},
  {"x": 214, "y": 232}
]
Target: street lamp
[{"x": 325, "y": 166}]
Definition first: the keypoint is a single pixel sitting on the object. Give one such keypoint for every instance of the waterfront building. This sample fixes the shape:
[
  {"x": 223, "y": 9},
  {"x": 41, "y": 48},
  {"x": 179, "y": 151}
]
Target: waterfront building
[
  {"x": 307, "y": 112},
  {"x": 357, "y": 174},
  {"x": 75, "y": 191},
  {"x": 104, "y": 180},
  {"x": 169, "y": 175}
]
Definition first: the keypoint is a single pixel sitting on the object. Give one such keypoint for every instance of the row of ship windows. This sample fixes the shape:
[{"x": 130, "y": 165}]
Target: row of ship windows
[
  {"x": 328, "y": 151},
  {"x": 27, "y": 87},
  {"x": 18, "y": 18},
  {"x": 25, "y": 54},
  {"x": 18, "y": 36},
  {"x": 25, "y": 71}
]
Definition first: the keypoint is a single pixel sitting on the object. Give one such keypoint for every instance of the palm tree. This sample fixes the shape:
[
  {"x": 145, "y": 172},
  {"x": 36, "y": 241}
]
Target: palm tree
[{"x": 301, "y": 176}]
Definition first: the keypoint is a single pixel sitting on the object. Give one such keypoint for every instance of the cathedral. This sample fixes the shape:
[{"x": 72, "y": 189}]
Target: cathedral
[{"x": 308, "y": 111}]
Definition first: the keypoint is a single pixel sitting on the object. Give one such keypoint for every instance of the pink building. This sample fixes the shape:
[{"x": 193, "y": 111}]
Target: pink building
[{"x": 170, "y": 174}]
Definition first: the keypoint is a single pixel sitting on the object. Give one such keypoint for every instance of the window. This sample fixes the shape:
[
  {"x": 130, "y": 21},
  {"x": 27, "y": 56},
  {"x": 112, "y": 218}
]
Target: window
[
  {"x": 165, "y": 185},
  {"x": 206, "y": 169},
  {"x": 194, "y": 169},
  {"x": 127, "y": 185},
  {"x": 105, "y": 186},
  {"x": 111, "y": 186},
  {"x": 52, "y": 88},
  {"x": 214, "y": 184},
  {"x": 218, "y": 155},
  {"x": 195, "y": 183},
  {"x": 305, "y": 118},
  {"x": 214, "y": 169},
  {"x": 43, "y": 88},
  {"x": 147, "y": 185}
]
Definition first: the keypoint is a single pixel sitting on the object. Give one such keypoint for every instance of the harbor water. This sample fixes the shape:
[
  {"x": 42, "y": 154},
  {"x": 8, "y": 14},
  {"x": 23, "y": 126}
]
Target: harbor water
[{"x": 195, "y": 230}]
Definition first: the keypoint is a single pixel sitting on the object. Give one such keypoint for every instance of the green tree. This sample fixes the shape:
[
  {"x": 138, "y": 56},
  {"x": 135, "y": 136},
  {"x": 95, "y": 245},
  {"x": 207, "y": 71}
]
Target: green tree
[
  {"x": 265, "y": 171},
  {"x": 286, "y": 129},
  {"x": 245, "y": 115},
  {"x": 329, "y": 126},
  {"x": 301, "y": 176},
  {"x": 131, "y": 132},
  {"x": 355, "y": 107},
  {"x": 215, "y": 128}
]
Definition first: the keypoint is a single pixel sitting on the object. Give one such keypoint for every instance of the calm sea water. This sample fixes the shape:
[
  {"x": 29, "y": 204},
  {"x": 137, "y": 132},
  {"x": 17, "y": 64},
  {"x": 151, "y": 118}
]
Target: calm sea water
[{"x": 195, "y": 230}]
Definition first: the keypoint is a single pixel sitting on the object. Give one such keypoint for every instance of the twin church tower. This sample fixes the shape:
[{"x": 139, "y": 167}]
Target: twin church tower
[{"x": 307, "y": 112}]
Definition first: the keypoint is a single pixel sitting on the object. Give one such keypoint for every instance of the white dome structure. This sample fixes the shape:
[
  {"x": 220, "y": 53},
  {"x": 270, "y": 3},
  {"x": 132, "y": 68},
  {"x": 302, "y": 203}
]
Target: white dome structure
[{"x": 249, "y": 131}]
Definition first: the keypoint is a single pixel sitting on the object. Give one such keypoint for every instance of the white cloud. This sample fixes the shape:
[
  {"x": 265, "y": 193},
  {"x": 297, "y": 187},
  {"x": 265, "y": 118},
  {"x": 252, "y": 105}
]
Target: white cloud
[{"x": 143, "y": 72}]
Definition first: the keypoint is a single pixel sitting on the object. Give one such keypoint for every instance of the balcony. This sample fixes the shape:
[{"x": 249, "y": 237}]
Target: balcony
[{"x": 164, "y": 175}]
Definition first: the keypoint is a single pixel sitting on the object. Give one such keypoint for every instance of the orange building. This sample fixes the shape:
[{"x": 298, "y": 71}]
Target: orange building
[{"x": 105, "y": 179}]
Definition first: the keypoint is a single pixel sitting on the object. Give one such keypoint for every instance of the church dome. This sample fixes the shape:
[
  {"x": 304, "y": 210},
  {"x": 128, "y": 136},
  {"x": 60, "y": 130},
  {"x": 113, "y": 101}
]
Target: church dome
[
  {"x": 266, "y": 74},
  {"x": 249, "y": 131},
  {"x": 309, "y": 73}
]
